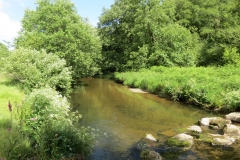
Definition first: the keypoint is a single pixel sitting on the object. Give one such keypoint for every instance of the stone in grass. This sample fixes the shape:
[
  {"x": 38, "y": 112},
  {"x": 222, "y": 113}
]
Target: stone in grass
[
  {"x": 194, "y": 130},
  {"x": 181, "y": 141},
  {"x": 234, "y": 116}
]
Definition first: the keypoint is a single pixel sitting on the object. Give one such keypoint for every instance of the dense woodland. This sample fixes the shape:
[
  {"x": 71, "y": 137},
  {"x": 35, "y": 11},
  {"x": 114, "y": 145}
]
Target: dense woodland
[
  {"x": 142, "y": 33},
  {"x": 186, "y": 49}
]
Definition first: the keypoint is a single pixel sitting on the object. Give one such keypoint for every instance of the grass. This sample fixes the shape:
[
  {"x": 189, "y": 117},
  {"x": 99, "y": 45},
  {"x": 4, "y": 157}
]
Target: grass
[
  {"x": 10, "y": 93},
  {"x": 211, "y": 87}
]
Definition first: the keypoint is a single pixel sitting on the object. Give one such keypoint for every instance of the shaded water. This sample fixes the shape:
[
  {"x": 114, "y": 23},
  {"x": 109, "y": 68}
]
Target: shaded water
[{"x": 124, "y": 118}]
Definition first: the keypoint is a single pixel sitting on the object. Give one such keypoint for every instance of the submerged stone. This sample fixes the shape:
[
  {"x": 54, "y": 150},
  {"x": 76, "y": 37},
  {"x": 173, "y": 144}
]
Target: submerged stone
[
  {"x": 234, "y": 116},
  {"x": 151, "y": 155}
]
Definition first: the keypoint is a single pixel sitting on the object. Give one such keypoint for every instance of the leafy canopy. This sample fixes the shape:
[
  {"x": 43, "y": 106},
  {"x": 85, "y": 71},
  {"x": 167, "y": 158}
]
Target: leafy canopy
[
  {"x": 141, "y": 33},
  {"x": 4, "y": 52},
  {"x": 56, "y": 27},
  {"x": 36, "y": 69}
]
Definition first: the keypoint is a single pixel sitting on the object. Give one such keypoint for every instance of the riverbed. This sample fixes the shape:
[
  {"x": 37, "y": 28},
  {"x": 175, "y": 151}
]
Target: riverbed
[{"x": 122, "y": 119}]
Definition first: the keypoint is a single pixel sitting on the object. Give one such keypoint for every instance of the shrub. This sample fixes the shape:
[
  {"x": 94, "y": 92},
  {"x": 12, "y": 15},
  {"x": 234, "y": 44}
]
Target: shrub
[
  {"x": 36, "y": 69},
  {"x": 51, "y": 128}
]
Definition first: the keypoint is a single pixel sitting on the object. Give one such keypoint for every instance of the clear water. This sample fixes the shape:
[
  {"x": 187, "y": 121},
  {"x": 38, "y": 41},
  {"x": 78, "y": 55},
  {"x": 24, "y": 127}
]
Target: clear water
[{"x": 123, "y": 119}]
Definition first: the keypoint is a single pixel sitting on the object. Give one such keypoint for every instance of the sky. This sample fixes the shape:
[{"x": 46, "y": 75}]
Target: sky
[{"x": 12, "y": 12}]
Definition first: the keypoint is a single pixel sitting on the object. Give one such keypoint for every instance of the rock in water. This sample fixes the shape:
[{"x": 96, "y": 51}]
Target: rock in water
[
  {"x": 151, "y": 155},
  {"x": 181, "y": 141},
  {"x": 234, "y": 116},
  {"x": 194, "y": 129},
  {"x": 150, "y": 137},
  {"x": 232, "y": 130}
]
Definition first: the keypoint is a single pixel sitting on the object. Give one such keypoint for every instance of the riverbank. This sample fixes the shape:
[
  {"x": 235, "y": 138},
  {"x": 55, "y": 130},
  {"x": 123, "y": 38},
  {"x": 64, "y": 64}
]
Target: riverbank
[{"x": 215, "y": 88}]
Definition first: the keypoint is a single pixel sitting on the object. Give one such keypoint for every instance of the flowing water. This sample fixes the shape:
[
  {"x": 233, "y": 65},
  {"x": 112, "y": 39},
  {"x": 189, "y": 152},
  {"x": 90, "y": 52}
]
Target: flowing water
[{"x": 123, "y": 118}]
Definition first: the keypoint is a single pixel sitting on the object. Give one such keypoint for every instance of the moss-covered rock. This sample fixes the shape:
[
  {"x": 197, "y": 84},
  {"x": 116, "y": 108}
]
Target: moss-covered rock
[{"x": 181, "y": 141}]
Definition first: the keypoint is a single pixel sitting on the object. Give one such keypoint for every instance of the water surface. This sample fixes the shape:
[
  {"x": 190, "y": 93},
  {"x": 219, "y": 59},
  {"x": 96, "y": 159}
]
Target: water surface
[{"x": 123, "y": 119}]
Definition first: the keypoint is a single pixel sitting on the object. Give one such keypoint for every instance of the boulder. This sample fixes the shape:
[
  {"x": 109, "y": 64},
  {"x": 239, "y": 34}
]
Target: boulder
[
  {"x": 205, "y": 121},
  {"x": 194, "y": 130},
  {"x": 223, "y": 141},
  {"x": 219, "y": 122},
  {"x": 151, "y": 155},
  {"x": 150, "y": 137},
  {"x": 214, "y": 122},
  {"x": 181, "y": 141},
  {"x": 232, "y": 130},
  {"x": 234, "y": 116}
]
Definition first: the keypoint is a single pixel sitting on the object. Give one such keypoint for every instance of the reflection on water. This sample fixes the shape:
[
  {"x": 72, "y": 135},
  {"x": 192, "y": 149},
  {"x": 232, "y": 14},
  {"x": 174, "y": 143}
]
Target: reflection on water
[{"x": 123, "y": 118}]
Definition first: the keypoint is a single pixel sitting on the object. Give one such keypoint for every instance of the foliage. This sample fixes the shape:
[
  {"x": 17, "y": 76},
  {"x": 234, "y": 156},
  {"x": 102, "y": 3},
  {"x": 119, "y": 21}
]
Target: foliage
[
  {"x": 174, "y": 142},
  {"x": 138, "y": 34},
  {"x": 174, "y": 46},
  {"x": 52, "y": 130},
  {"x": 230, "y": 56},
  {"x": 216, "y": 22},
  {"x": 47, "y": 129},
  {"x": 171, "y": 33},
  {"x": 3, "y": 54},
  {"x": 209, "y": 87},
  {"x": 56, "y": 27},
  {"x": 36, "y": 69}
]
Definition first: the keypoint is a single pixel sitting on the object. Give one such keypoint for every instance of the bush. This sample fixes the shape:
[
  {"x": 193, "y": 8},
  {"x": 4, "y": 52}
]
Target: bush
[
  {"x": 36, "y": 69},
  {"x": 51, "y": 128}
]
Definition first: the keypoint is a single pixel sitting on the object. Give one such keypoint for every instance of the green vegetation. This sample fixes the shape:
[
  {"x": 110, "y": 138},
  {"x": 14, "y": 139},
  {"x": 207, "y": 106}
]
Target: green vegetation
[
  {"x": 176, "y": 143},
  {"x": 197, "y": 40},
  {"x": 143, "y": 33},
  {"x": 35, "y": 69},
  {"x": 212, "y": 87},
  {"x": 41, "y": 127},
  {"x": 8, "y": 92},
  {"x": 3, "y": 54},
  {"x": 56, "y": 27}
]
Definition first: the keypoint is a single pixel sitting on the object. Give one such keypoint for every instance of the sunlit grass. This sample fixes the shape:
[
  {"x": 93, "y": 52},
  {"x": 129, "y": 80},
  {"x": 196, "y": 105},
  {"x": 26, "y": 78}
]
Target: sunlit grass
[
  {"x": 8, "y": 93},
  {"x": 210, "y": 87}
]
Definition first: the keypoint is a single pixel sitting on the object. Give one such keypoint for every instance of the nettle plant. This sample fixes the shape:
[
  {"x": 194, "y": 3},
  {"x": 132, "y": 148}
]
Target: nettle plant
[
  {"x": 52, "y": 127},
  {"x": 36, "y": 69}
]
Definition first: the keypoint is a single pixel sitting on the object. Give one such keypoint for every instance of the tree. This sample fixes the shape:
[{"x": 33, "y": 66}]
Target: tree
[
  {"x": 4, "y": 52},
  {"x": 56, "y": 27},
  {"x": 217, "y": 24},
  {"x": 134, "y": 36},
  {"x": 36, "y": 69}
]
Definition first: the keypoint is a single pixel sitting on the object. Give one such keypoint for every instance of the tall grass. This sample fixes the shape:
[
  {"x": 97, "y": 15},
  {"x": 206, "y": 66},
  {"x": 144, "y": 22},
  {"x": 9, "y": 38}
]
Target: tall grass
[
  {"x": 211, "y": 87},
  {"x": 8, "y": 92}
]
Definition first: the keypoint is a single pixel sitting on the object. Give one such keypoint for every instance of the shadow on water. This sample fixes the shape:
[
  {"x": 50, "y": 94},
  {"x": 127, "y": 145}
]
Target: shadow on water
[{"x": 123, "y": 119}]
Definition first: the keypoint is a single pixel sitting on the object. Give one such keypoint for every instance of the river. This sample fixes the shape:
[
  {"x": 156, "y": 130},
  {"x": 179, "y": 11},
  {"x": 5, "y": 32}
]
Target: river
[{"x": 122, "y": 119}]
